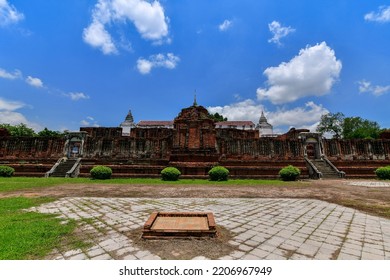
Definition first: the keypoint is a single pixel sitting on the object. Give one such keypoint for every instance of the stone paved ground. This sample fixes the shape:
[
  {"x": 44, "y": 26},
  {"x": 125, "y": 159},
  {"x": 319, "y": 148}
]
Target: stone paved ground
[
  {"x": 262, "y": 228},
  {"x": 370, "y": 184}
]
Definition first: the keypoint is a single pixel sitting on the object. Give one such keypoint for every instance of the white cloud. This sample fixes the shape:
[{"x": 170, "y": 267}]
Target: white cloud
[
  {"x": 97, "y": 36},
  {"x": 148, "y": 18},
  {"x": 311, "y": 73},
  {"x": 35, "y": 82},
  {"x": 84, "y": 123},
  {"x": 225, "y": 25},
  {"x": 144, "y": 66},
  {"x": 366, "y": 86},
  {"x": 89, "y": 121},
  {"x": 9, "y": 14},
  {"x": 382, "y": 16},
  {"x": 307, "y": 116},
  {"x": 9, "y": 116},
  {"x": 278, "y": 31},
  {"x": 10, "y": 76},
  {"x": 168, "y": 61},
  {"x": 300, "y": 117},
  {"x": 240, "y": 111},
  {"x": 6, "y": 105},
  {"x": 75, "y": 96}
]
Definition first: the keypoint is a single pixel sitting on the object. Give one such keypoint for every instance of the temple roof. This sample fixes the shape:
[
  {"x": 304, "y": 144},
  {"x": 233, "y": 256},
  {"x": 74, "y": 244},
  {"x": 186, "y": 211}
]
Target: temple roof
[
  {"x": 263, "y": 119},
  {"x": 235, "y": 123},
  {"x": 129, "y": 120},
  {"x": 155, "y": 123}
]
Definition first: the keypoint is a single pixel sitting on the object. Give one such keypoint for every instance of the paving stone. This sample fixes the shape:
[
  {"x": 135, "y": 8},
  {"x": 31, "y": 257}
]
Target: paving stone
[
  {"x": 102, "y": 257},
  {"x": 299, "y": 257},
  {"x": 81, "y": 256},
  {"x": 72, "y": 253},
  {"x": 307, "y": 249},
  {"x": 95, "y": 252},
  {"x": 259, "y": 253},
  {"x": 274, "y": 257},
  {"x": 369, "y": 256},
  {"x": 265, "y": 228},
  {"x": 141, "y": 254},
  {"x": 250, "y": 257},
  {"x": 237, "y": 254},
  {"x": 245, "y": 248}
]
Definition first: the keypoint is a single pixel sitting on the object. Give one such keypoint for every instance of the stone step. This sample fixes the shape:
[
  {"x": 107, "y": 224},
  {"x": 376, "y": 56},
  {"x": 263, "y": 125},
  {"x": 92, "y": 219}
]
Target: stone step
[
  {"x": 326, "y": 170},
  {"x": 63, "y": 167}
]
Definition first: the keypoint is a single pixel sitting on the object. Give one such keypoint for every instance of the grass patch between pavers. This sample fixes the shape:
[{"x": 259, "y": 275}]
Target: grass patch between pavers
[
  {"x": 20, "y": 183},
  {"x": 29, "y": 235},
  {"x": 376, "y": 209}
]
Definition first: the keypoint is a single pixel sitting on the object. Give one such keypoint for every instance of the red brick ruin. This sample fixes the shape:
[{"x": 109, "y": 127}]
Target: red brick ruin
[{"x": 193, "y": 144}]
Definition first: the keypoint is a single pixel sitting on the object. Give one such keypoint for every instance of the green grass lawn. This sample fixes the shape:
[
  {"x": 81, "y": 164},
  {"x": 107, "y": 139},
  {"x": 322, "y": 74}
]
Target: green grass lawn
[
  {"x": 19, "y": 183},
  {"x": 29, "y": 235}
]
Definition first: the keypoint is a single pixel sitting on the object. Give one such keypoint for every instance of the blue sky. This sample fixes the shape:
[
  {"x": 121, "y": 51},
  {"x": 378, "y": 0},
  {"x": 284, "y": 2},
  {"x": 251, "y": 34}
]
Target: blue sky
[{"x": 66, "y": 64}]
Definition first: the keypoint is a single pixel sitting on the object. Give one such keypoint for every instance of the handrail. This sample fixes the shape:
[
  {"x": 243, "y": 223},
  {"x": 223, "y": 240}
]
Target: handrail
[
  {"x": 341, "y": 174},
  {"x": 74, "y": 171},
  {"x": 317, "y": 174},
  {"x": 48, "y": 173}
]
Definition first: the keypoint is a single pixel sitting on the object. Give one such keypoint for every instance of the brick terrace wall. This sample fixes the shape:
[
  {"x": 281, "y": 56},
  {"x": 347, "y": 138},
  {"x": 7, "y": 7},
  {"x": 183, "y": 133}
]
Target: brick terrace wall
[
  {"x": 156, "y": 143},
  {"x": 148, "y": 150},
  {"x": 233, "y": 143},
  {"x": 27, "y": 148},
  {"x": 357, "y": 149},
  {"x": 148, "y": 143}
]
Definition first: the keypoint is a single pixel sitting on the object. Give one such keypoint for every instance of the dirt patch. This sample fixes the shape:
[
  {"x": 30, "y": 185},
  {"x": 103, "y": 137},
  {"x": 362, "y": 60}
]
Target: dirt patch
[
  {"x": 335, "y": 191},
  {"x": 185, "y": 249}
]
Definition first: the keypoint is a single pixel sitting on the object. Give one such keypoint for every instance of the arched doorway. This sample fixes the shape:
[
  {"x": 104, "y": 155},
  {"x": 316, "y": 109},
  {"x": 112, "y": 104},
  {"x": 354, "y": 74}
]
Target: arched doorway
[
  {"x": 312, "y": 145},
  {"x": 74, "y": 144},
  {"x": 312, "y": 148}
]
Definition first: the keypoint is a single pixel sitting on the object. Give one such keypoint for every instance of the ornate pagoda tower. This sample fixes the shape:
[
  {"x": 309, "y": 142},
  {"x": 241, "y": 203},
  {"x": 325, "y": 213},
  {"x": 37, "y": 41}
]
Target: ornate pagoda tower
[
  {"x": 127, "y": 124},
  {"x": 265, "y": 129}
]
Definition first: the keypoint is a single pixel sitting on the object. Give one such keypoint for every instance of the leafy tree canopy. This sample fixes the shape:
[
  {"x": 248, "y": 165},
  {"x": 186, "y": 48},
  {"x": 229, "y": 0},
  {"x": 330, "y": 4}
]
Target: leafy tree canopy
[
  {"x": 49, "y": 133},
  {"x": 18, "y": 130},
  {"x": 218, "y": 118},
  {"x": 331, "y": 123},
  {"x": 23, "y": 130},
  {"x": 358, "y": 128},
  {"x": 348, "y": 127}
]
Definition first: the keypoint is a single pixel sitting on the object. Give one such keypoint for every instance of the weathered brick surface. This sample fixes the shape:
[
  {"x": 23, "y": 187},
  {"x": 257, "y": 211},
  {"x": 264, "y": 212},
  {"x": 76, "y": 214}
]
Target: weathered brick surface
[{"x": 193, "y": 145}]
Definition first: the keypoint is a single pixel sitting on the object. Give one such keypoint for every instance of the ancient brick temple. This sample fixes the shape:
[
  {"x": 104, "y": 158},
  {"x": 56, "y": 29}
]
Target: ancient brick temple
[{"x": 194, "y": 144}]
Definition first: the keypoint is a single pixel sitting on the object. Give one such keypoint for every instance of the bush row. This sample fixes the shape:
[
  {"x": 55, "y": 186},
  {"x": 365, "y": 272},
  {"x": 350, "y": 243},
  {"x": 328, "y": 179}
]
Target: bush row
[
  {"x": 101, "y": 172},
  {"x": 383, "y": 173},
  {"x": 289, "y": 173},
  {"x": 6, "y": 171},
  {"x": 217, "y": 173}
]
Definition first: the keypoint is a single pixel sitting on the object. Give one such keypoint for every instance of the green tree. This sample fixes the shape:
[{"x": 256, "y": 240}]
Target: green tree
[
  {"x": 348, "y": 128},
  {"x": 358, "y": 128},
  {"x": 332, "y": 123},
  {"x": 18, "y": 130},
  {"x": 217, "y": 117},
  {"x": 49, "y": 133}
]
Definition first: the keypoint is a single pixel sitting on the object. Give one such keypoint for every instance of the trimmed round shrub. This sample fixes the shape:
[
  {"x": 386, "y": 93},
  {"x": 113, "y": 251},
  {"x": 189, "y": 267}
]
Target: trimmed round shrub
[
  {"x": 170, "y": 174},
  {"x": 101, "y": 172},
  {"x": 6, "y": 171},
  {"x": 383, "y": 173},
  {"x": 218, "y": 173},
  {"x": 289, "y": 173}
]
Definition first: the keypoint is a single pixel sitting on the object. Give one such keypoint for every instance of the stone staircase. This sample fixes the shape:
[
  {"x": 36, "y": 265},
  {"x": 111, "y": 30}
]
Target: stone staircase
[
  {"x": 327, "y": 171},
  {"x": 63, "y": 167}
]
